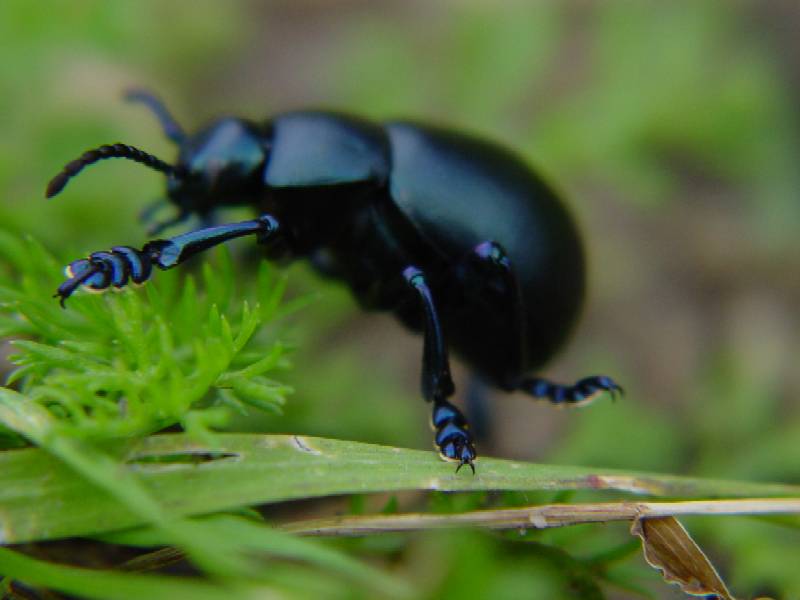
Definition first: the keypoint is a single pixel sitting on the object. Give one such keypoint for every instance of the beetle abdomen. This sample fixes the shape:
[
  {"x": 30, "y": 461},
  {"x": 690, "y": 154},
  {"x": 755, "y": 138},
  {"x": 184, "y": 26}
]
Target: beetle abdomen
[{"x": 458, "y": 192}]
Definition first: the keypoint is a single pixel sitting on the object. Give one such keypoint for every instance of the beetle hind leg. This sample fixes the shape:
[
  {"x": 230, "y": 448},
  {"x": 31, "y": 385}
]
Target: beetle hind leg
[
  {"x": 580, "y": 393},
  {"x": 489, "y": 261},
  {"x": 452, "y": 435}
]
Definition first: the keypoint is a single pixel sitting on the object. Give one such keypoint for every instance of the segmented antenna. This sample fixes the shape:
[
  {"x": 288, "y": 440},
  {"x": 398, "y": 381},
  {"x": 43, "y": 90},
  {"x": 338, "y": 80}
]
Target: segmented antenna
[{"x": 89, "y": 157}]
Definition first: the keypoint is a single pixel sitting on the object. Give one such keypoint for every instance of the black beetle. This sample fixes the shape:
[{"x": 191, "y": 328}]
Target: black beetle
[{"x": 455, "y": 235}]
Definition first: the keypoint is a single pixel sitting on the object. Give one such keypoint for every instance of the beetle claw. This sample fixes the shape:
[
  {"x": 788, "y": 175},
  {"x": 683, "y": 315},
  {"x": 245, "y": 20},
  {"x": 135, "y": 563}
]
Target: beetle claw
[
  {"x": 591, "y": 387},
  {"x": 466, "y": 461},
  {"x": 459, "y": 449}
]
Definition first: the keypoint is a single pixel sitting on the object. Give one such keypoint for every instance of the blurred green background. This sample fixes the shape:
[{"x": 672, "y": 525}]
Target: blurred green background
[{"x": 673, "y": 130}]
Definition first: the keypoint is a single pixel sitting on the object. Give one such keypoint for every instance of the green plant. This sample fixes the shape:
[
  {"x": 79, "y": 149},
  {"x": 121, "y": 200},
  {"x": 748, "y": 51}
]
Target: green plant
[
  {"x": 112, "y": 370},
  {"x": 95, "y": 383}
]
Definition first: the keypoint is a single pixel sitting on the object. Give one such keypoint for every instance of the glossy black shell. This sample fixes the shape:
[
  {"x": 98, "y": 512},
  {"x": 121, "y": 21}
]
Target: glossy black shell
[{"x": 366, "y": 200}]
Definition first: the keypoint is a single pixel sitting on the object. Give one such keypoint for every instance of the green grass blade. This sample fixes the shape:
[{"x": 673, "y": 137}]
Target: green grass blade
[
  {"x": 40, "y": 498},
  {"x": 103, "y": 477},
  {"x": 256, "y": 537},
  {"x": 105, "y": 585}
]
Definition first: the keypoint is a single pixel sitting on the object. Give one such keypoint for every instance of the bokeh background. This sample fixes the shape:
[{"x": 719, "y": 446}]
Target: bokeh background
[{"x": 671, "y": 127}]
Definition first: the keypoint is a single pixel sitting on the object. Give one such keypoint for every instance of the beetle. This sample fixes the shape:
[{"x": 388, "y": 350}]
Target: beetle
[{"x": 455, "y": 235}]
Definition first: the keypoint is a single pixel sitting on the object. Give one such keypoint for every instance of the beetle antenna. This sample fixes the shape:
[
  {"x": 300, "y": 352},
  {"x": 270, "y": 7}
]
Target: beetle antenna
[
  {"x": 89, "y": 157},
  {"x": 168, "y": 123}
]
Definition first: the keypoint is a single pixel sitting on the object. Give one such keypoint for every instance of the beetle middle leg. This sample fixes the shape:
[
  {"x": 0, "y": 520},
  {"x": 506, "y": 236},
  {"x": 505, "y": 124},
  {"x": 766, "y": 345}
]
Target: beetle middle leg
[
  {"x": 147, "y": 217},
  {"x": 453, "y": 438},
  {"x": 123, "y": 264}
]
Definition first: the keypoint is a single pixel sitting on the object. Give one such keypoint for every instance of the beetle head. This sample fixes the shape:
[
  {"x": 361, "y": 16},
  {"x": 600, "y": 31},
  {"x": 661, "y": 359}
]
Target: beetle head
[
  {"x": 223, "y": 164},
  {"x": 220, "y": 165}
]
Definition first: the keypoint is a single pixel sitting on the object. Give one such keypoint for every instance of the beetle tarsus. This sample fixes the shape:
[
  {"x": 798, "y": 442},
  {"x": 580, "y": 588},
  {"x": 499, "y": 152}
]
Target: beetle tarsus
[
  {"x": 581, "y": 392},
  {"x": 453, "y": 438},
  {"x": 104, "y": 269}
]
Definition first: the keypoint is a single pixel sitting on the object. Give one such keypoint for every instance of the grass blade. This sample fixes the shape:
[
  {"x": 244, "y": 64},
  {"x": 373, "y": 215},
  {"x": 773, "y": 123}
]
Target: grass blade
[{"x": 42, "y": 499}]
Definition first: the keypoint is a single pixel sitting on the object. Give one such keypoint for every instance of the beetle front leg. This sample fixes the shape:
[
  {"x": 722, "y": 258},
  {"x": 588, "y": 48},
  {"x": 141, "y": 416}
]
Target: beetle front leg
[
  {"x": 453, "y": 438},
  {"x": 123, "y": 264}
]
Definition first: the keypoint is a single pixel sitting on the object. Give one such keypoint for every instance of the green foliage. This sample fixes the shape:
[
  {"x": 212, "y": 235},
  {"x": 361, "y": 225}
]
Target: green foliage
[
  {"x": 672, "y": 126},
  {"x": 127, "y": 366},
  {"x": 120, "y": 367},
  {"x": 112, "y": 369},
  {"x": 233, "y": 470}
]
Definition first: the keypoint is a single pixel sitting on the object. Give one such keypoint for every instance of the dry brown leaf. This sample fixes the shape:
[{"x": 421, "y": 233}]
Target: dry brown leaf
[{"x": 669, "y": 548}]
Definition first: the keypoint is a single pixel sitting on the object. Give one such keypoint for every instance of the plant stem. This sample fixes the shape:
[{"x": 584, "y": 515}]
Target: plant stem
[{"x": 540, "y": 517}]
